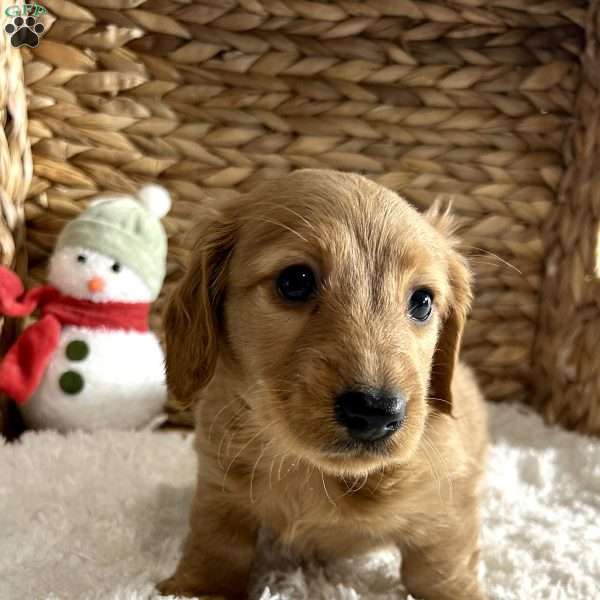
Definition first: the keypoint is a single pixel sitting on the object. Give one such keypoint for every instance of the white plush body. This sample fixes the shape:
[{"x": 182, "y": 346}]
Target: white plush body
[
  {"x": 123, "y": 377},
  {"x": 123, "y": 372}
]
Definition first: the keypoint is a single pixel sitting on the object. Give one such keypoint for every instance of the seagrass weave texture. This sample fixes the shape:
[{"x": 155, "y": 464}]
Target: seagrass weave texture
[
  {"x": 15, "y": 155},
  {"x": 15, "y": 174},
  {"x": 471, "y": 99},
  {"x": 567, "y": 361}
]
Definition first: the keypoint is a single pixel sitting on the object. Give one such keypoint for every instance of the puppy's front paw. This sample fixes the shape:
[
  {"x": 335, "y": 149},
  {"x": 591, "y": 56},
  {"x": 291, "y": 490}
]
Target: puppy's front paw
[{"x": 175, "y": 586}]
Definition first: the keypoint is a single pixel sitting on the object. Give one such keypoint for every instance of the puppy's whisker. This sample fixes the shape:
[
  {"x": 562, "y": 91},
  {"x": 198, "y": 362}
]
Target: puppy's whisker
[
  {"x": 271, "y": 471},
  {"x": 232, "y": 425},
  {"x": 226, "y": 426},
  {"x": 444, "y": 401},
  {"x": 325, "y": 359},
  {"x": 271, "y": 390},
  {"x": 273, "y": 459},
  {"x": 364, "y": 482},
  {"x": 439, "y": 400},
  {"x": 326, "y": 491},
  {"x": 226, "y": 431},
  {"x": 261, "y": 386},
  {"x": 349, "y": 488},
  {"x": 358, "y": 485},
  {"x": 262, "y": 453},
  {"x": 216, "y": 417},
  {"x": 443, "y": 463},
  {"x": 316, "y": 351},
  {"x": 277, "y": 224},
  {"x": 309, "y": 471},
  {"x": 283, "y": 457},
  {"x": 379, "y": 481},
  {"x": 478, "y": 261},
  {"x": 290, "y": 210},
  {"x": 237, "y": 432},
  {"x": 354, "y": 488},
  {"x": 226, "y": 434},
  {"x": 239, "y": 452},
  {"x": 249, "y": 391},
  {"x": 434, "y": 472},
  {"x": 489, "y": 253}
]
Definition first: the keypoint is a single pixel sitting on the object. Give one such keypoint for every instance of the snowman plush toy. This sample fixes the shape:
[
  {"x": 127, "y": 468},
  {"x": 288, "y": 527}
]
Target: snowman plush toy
[{"x": 90, "y": 361}]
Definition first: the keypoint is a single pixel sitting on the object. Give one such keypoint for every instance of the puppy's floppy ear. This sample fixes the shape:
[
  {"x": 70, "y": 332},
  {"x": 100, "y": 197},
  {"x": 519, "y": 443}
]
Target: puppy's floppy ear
[
  {"x": 192, "y": 318},
  {"x": 447, "y": 350}
]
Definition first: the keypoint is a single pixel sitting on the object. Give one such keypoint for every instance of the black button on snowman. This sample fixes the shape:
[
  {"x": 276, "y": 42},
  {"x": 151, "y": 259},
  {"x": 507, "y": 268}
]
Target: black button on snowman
[
  {"x": 77, "y": 350},
  {"x": 71, "y": 382}
]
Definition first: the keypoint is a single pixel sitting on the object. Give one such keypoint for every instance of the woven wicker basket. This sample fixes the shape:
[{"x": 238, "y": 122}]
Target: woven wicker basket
[{"x": 494, "y": 102}]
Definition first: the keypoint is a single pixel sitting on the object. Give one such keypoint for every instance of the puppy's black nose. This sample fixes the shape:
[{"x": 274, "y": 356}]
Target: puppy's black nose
[{"x": 370, "y": 415}]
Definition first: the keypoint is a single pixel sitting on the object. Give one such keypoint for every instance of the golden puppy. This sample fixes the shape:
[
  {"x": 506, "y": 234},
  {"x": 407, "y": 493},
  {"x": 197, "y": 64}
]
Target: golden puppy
[{"x": 317, "y": 330}]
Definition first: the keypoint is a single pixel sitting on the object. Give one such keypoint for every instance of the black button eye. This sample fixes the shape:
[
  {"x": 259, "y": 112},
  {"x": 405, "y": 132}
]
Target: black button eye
[
  {"x": 420, "y": 304},
  {"x": 81, "y": 258},
  {"x": 296, "y": 283},
  {"x": 116, "y": 267}
]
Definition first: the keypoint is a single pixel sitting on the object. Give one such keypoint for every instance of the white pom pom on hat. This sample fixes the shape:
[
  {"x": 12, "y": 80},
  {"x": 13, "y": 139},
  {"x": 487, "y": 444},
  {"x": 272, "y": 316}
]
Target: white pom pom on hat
[{"x": 155, "y": 198}]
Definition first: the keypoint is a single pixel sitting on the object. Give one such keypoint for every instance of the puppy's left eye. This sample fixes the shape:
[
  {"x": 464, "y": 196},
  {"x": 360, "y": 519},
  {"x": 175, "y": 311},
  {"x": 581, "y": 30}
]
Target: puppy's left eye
[
  {"x": 420, "y": 304},
  {"x": 296, "y": 283},
  {"x": 116, "y": 267}
]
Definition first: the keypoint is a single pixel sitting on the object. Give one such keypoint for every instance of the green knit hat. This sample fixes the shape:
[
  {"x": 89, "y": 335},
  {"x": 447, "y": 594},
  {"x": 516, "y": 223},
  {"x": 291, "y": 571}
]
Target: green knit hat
[{"x": 126, "y": 229}]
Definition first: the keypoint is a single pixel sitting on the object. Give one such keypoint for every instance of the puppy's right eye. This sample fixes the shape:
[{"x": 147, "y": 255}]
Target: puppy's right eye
[
  {"x": 296, "y": 283},
  {"x": 421, "y": 304},
  {"x": 81, "y": 258}
]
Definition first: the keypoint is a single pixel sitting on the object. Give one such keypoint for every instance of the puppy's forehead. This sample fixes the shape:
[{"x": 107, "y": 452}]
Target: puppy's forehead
[{"x": 336, "y": 214}]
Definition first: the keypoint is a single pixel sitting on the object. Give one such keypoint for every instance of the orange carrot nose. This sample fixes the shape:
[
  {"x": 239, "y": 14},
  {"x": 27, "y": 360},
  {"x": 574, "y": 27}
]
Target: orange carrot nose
[{"x": 95, "y": 284}]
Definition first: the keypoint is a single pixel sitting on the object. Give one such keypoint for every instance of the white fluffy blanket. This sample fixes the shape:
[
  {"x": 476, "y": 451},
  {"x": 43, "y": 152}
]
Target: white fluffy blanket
[{"x": 102, "y": 516}]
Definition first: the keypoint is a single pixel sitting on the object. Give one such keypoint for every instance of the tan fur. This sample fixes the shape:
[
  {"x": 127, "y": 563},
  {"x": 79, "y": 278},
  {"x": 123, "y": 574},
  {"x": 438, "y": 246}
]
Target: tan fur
[{"x": 263, "y": 375}]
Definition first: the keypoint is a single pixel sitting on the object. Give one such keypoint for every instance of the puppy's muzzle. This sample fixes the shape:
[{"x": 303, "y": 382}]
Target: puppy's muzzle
[{"x": 370, "y": 415}]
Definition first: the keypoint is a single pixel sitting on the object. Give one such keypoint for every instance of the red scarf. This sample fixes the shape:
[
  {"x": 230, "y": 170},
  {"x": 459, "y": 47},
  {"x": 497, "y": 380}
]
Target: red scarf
[{"x": 25, "y": 363}]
